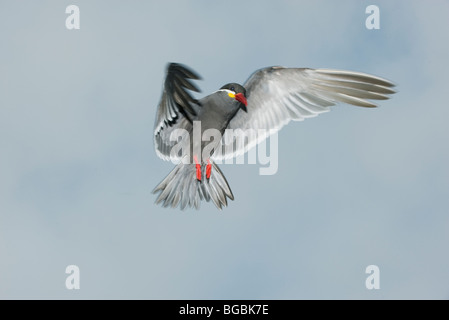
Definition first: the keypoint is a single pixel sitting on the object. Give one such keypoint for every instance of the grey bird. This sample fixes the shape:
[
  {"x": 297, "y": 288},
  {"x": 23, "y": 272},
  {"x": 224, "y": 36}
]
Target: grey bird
[{"x": 267, "y": 101}]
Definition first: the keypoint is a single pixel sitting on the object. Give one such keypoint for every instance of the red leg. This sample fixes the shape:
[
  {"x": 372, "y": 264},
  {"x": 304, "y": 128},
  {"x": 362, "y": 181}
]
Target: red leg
[
  {"x": 208, "y": 169},
  {"x": 198, "y": 168}
]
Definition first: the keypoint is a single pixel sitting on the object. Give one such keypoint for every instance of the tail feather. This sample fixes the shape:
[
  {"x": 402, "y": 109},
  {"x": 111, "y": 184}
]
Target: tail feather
[
  {"x": 184, "y": 191},
  {"x": 181, "y": 187},
  {"x": 215, "y": 196},
  {"x": 221, "y": 180}
]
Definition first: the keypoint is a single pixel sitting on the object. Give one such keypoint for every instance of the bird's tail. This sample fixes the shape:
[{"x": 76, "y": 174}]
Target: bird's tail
[{"x": 181, "y": 186}]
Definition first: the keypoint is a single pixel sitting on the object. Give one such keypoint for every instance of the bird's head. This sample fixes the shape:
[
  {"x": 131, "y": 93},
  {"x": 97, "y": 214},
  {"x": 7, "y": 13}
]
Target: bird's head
[{"x": 236, "y": 92}]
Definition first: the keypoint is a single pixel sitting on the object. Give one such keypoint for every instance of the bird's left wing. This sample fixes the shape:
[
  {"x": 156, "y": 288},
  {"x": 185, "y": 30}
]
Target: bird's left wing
[
  {"x": 277, "y": 95},
  {"x": 176, "y": 109}
]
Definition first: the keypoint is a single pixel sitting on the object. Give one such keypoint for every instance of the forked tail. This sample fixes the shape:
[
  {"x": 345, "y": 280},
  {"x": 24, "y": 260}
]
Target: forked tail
[{"x": 181, "y": 186}]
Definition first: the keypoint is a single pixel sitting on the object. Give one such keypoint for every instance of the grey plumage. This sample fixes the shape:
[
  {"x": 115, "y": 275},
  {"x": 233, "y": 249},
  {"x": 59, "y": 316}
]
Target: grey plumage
[
  {"x": 182, "y": 187},
  {"x": 277, "y": 95},
  {"x": 274, "y": 95}
]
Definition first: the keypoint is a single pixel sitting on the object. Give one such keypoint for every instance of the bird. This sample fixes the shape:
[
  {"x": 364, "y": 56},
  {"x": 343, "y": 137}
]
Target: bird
[{"x": 268, "y": 100}]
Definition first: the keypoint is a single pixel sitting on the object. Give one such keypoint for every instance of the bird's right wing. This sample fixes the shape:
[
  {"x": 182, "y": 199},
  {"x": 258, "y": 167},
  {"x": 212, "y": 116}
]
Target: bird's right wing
[
  {"x": 176, "y": 109},
  {"x": 277, "y": 95}
]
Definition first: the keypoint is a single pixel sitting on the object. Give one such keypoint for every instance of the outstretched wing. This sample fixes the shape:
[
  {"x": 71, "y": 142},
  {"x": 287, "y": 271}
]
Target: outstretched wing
[
  {"x": 277, "y": 95},
  {"x": 176, "y": 109}
]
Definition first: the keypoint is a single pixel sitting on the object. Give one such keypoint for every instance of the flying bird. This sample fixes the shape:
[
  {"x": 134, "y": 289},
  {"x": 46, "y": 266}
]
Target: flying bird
[{"x": 268, "y": 100}]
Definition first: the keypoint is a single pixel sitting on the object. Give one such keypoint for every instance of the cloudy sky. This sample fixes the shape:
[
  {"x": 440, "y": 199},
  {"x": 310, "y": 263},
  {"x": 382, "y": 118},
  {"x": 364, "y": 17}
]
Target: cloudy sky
[{"x": 355, "y": 186}]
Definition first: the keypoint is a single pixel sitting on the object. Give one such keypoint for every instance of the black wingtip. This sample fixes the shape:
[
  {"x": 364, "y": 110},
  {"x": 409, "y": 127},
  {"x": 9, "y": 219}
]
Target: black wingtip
[{"x": 184, "y": 70}]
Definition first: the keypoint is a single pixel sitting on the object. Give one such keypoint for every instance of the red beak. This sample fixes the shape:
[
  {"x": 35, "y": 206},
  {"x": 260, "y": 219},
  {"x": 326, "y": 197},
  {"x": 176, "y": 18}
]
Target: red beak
[{"x": 242, "y": 99}]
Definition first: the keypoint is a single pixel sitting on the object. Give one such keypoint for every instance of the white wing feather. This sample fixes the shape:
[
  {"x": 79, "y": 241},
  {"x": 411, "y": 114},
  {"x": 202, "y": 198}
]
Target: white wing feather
[{"x": 277, "y": 95}]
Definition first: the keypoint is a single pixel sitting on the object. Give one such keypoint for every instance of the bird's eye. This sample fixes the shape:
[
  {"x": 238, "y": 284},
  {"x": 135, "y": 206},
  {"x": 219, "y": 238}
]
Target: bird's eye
[{"x": 232, "y": 89}]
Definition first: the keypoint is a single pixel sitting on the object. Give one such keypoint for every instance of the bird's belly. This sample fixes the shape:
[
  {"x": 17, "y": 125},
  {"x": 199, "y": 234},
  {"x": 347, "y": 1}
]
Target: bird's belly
[{"x": 206, "y": 137}]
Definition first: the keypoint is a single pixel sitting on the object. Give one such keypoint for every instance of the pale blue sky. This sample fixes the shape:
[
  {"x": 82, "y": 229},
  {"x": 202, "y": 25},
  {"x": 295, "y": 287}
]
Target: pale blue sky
[{"x": 355, "y": 187}]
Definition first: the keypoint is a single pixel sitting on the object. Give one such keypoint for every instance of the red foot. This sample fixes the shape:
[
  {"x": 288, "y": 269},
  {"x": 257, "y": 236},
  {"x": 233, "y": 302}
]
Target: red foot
[
  {"x": 208, "y": 169},
  {"x": 198, "y": 168},
  {"x": 198, "y": 172}
]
